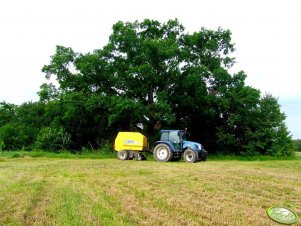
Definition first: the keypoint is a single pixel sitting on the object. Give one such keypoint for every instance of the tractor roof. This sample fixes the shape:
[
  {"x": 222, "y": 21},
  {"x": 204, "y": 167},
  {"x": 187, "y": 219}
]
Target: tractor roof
[{"x": 170, "y": 130}]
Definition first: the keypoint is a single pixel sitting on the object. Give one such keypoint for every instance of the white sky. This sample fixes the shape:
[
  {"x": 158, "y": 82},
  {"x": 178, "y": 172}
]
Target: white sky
[{"x": 267, "y": 34}]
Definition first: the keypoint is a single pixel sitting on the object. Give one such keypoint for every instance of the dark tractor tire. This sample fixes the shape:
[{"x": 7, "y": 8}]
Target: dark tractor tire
[
  {"x": 162, "y": 153},
  {"x": 123, "y": 155},
  {"x": 190, "y": 156}
]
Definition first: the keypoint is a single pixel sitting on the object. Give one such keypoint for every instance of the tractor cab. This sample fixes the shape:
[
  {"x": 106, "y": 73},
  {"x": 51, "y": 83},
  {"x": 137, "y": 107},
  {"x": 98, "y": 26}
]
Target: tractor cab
[
  {"x": 173, "y": 144},
  {"x": 174, "y": 137}
]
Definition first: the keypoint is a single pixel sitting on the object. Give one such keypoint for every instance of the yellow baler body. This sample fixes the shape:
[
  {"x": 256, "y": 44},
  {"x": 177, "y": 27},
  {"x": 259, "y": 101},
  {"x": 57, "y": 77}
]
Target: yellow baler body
[{"x": 133, "y": 141}]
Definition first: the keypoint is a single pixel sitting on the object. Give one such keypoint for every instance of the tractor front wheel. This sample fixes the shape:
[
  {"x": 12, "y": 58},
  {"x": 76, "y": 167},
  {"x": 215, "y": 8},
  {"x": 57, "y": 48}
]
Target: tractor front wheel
[
  {"x": 123, "y": 155},
  {"x": 162, "y": 153},
  {"x": 190, "y": 156}
]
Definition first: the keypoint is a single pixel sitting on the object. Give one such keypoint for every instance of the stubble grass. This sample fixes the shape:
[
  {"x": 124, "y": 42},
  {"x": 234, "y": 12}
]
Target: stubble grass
[{"x": 53, "y": 191}]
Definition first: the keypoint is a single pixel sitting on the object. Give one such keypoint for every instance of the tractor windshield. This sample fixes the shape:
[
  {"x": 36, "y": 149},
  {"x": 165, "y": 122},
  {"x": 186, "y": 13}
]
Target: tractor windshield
[
  {"x": 184, "y": 136},
  {"x": 179, "y": 135},
  {"x": 174, "y": 137}
]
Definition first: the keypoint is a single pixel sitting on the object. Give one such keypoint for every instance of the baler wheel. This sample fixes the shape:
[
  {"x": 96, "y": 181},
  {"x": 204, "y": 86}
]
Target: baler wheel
[{"x": 123, "y": 155}]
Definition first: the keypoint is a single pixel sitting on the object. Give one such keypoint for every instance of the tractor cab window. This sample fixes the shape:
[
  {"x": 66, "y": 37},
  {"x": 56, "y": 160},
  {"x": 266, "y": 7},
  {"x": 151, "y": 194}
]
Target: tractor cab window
[
  {"x": 174, "y": 137},
  {"x": 164, "y": 136}
]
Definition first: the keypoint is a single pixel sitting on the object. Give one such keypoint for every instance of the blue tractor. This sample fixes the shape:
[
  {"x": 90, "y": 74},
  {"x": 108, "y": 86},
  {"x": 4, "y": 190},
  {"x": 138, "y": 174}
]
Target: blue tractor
[{"x": 173, "y": 145}]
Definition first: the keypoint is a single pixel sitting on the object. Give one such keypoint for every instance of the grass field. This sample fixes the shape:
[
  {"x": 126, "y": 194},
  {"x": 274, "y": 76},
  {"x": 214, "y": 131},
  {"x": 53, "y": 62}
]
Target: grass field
[{"x": 71, "y": 191}]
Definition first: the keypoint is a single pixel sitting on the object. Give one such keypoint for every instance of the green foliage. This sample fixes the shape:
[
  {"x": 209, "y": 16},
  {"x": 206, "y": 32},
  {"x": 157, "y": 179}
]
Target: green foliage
[
  {"x": 48, "y": 92},
  {"x": 7, "y": 113},
  {"x": 2, "y": 145},
  {"x": 155, "y": 74},
  {"x": 124, "y": 112},
  {"x": 16, "y": 136},
  {"x": 23, "y": 125},
  {"x": 297, "y": 145},
  {"x": 255, "y": 126},
  {"x": 53, "y": 139}
]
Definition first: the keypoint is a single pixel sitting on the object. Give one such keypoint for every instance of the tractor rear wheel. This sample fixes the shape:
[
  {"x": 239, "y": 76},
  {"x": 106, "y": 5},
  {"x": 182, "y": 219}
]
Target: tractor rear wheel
[
  {"x": 190, "y": 156},
  {"x": 162, "y": 153},
  {"x": 123, "y": 155}
]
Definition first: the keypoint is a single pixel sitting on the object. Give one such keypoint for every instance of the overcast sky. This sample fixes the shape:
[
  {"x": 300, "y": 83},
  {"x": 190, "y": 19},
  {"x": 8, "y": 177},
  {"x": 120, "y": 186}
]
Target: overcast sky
[{"x": 267, "y": 34}]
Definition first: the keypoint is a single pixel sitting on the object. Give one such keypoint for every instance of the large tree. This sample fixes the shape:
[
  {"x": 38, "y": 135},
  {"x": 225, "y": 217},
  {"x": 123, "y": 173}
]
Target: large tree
[{"x": 159, "y": 75}]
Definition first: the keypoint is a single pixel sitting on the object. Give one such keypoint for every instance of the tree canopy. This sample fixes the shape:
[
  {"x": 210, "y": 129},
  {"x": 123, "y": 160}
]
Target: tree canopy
[{"x": 158, "y": 75}]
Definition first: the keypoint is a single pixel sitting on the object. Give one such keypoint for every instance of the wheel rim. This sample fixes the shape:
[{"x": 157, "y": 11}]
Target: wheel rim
[
  {"x": 189, "y": 157},
  {"x": 162, "y": 153},
  {"x": 122, "y": 155}
]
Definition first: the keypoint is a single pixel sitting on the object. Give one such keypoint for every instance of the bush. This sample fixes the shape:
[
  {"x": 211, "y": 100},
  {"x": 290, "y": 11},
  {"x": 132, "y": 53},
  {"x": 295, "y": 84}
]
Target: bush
[
  {"x": 297, "y": 145},
  {"x": 2, "y": 145},
  {"x": 15, "y": 136},
  {"x": 53, "y": 139}
]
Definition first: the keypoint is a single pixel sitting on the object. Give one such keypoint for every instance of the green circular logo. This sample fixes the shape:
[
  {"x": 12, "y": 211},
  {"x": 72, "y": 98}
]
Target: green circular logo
[{"x": 282, "y": 215}]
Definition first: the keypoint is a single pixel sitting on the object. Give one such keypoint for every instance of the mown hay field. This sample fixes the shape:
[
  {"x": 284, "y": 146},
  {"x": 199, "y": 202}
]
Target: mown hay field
[{"x": 53, "y": 191}]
